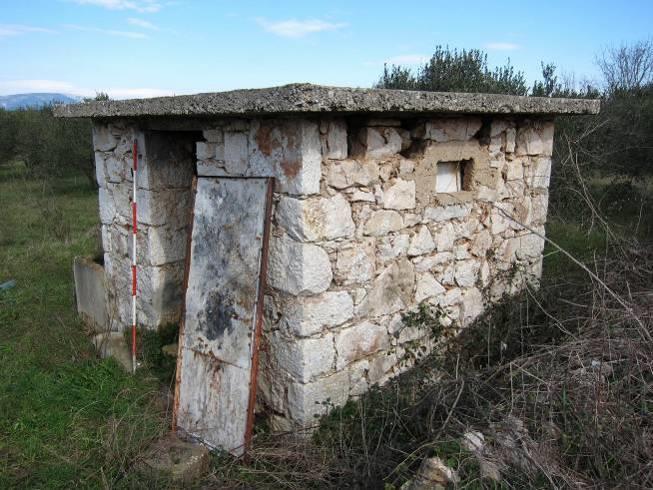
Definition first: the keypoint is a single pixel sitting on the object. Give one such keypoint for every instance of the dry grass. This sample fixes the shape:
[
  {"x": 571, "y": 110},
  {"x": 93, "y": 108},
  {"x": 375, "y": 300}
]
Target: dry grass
[{"x": 559, "y": 381}]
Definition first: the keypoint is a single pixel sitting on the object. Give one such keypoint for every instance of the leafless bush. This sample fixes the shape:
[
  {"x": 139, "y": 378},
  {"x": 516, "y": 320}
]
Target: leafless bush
[
  {"x": 558, "y": 380},
  {"x": 627, "y": 67}
]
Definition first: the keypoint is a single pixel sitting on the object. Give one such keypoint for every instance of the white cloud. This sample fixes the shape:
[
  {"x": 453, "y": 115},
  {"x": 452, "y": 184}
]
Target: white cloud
[
  {"x": 407, "y": 59},
  {"x": 142, "y": 23},
  {"x": 7, "y": 30},
  {"x": 293, "y": 28},
  {"x": 109, "y": 32},
  {"x": 499, "y": 46},
  {"x": 137, "y": 93},
  {"x": 143, "y": 6},
  {"x": 26, "y": 86}
]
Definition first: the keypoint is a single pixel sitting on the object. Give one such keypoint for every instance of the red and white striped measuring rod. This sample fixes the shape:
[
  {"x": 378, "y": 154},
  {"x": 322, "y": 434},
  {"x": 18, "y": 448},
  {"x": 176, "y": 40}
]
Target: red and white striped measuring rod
[{"x": 134, "y": 235}]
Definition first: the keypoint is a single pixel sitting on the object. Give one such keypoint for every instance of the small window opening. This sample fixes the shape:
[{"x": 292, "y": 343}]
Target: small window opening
[{"x": 451, "y": 176}]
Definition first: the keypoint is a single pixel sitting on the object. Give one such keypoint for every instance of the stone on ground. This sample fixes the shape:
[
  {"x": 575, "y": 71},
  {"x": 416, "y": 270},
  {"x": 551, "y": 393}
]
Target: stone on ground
[
  {"x": 170, "y": 350},
  {"x": 434, "y": 474},
  {"x": 172, "y": 459},
  {"x": 112, "y": 344}
]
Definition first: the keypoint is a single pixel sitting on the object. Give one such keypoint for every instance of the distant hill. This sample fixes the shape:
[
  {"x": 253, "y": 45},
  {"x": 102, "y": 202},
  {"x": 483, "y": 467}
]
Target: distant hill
[{"x": 17, "y": 101}]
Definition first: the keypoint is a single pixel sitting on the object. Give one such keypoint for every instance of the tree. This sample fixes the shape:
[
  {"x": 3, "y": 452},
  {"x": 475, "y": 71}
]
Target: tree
[
  {"x": 627, "y": 68},
  {"x": 455, "y": 71}
]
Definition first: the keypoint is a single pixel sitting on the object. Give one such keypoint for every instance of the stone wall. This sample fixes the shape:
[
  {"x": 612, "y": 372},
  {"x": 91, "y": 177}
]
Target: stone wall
[
  {"x": 359, "y": 235},
  {"x": 166, "y": 168}
]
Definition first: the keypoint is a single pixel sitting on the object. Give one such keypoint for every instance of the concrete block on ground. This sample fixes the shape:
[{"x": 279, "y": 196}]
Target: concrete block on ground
[{"x": 90, "y": 292}]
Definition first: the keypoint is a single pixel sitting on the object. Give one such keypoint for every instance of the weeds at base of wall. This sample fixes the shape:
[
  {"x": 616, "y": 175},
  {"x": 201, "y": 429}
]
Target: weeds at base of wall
[
  {"x": 149, "y": 344},
  {"x": 427, "y": 319},
  {"x": 557, "y": 380}
]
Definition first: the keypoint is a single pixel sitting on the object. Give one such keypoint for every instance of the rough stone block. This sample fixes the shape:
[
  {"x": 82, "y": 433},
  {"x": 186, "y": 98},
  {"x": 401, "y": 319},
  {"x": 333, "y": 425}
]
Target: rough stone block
[
  {"x": 451, "y": 297},
  {"x": 391, "y": 291},
  {"x": 481, "y": 243},
  {"x": 406, "y": 167},
  {"x": 290, "y": 150},
  {"x": 355, "y": 264},
  {"x": 166, "y": 207},
  {"x": 427, "y": 287},
  {"x": 172, "y": 460},
  {"x": 352, "y": 172},
  {"x": 530, "y": 246},
  {"x": 316, "y": 218},
  {"x": 160, "y": 293},
  {"x": 358, "y": 384},
  {"x": 205, "y": 150},
  {"x": 100, "y": 171},
  {"x": 211, "y": 168},
  {"x": 160, "y": 245},
  {"x": 383, "y": 222},
  {"x": 380, "y": 368},
  {"x": 361, "y": 196},
  {"x": 445, "y": 213},
  {"x": 358, "y": 341},
  {"x": 393, "y": 246},
  {"x": 311, "y": 315},
  {"x": 121, "y": 196},
  {"x": 104, "y": 138},
  {"x": 235, "y": 153},
  {"x": 117, "y": 170},
  {"x": 452, "y": 129},
  {"x": 107, "y": 206},
  {"x": 514, "y": 170},
  {"x": 444, "y": 238},
  {"x": 378, "y": 142},
  {"x": 539, "y": 173},
  {"x": 307, "y": 401},
  {"x": 511, "y": 140},
  {"x": 472, "y": 305},
  {"x": 498, "y": 126},
  {"x": 303, "y": 359},
  {"x": 400, "y": 195},
  {"x": 336, "y": 139},
  {"x": 535, "y": 138},
  {"x": 466, "y": 272},
  {"x": 298, "y": 268},
  {"x": 213, "y": 135},
  {"x": 421, "y": 243},
  {"x": 424, "y": 264},
  {"x": 539, "y": 207}
]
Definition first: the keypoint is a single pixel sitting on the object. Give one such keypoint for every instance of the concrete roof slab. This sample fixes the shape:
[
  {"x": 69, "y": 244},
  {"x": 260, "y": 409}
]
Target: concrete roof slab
[{"x": 316, "y": 99}]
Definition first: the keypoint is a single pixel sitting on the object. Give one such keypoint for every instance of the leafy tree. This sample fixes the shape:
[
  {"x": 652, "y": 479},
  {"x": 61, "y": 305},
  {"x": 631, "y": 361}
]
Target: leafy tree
[
  {"x": 7, "y": 136},
  {"x": 47, "y": 146},
  {"x": 456, "y": 71}
]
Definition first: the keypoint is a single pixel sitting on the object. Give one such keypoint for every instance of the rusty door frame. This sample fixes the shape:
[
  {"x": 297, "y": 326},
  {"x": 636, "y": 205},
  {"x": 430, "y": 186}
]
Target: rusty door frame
[{"x": 258, "y": 326}]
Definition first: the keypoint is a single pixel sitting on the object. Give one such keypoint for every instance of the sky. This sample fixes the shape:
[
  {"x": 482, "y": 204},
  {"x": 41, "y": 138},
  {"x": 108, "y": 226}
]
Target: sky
[{"x": 144, "y": 48}]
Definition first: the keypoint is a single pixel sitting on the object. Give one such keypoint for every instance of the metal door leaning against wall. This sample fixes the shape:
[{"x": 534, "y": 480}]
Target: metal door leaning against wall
[{"x": 218, "y": 344}]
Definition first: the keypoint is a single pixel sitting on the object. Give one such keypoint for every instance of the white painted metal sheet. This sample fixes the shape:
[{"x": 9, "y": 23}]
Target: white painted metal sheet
[{"x": 217, "y": 338}]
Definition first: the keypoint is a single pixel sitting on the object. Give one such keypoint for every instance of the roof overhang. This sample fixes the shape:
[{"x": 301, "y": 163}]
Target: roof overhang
[{"x": 297, "y": 99}]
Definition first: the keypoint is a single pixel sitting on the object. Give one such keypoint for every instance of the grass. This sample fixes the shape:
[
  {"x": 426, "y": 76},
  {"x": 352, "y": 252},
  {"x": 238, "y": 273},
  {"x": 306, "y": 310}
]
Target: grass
[{"x": 68, "y": 418}]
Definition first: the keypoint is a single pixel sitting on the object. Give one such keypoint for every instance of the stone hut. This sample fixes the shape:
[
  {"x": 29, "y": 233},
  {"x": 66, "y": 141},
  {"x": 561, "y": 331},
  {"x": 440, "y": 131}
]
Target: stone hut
[{"x": 380, "y": 200}]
